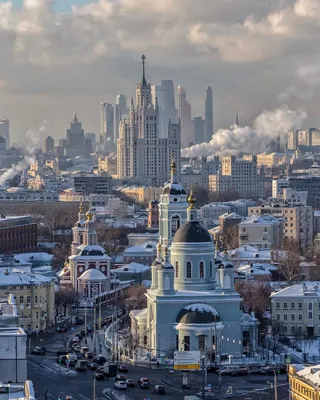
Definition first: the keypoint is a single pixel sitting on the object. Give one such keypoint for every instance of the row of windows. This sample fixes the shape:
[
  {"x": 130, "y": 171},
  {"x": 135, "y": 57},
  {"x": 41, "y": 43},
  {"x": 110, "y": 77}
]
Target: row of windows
[
  {"x": 306, "y": 391},
  {"x": 292, "y": 318},
  {"x": 201, "y": 269},
  {"x": 292, "y": 305}
]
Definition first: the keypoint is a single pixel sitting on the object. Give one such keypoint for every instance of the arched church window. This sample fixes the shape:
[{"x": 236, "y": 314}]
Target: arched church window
[
  {"x": 177, "y": 269},
  {"x": 175, "y": 224},
  {"x": 189, "y": 269},
  {"x": 201, "y": 269},
  {"x": 210, "y": 268}
]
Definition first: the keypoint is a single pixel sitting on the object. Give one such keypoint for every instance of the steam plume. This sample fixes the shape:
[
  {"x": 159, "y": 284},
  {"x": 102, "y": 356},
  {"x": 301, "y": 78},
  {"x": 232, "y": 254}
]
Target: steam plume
[{"x": 266, "y": 127}]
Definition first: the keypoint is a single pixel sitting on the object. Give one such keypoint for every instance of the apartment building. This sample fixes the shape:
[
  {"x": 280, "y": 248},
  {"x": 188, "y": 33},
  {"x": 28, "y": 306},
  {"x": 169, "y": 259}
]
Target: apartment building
[
  {"x": 34, "y": 294},
  {"x": 278, "y": 185},
  {"x": 308, "y": 183},
  {"x": 18, "y": 234},
  {"x": 210, "y": 213},
  {"x": 240, "y": 175},
  {"x": 262, "y": 231},
  {"x": 142, "y": 194},
  {"x": 298, "y": 221},
  {"x": 88, "y": 184},
  {"x": 297, "y": 309}
]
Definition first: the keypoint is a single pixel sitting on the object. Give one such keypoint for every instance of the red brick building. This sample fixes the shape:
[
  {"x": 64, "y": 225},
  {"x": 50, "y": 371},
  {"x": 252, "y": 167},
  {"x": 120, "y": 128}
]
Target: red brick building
[{"x": 17, "y": 234}]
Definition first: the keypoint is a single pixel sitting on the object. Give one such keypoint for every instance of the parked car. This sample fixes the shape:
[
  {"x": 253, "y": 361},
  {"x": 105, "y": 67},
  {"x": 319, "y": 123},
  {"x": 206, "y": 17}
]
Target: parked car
[
  {"x": 84, "y": 349},
  {"x": 38, "y": 351},
  {"x": 92, "y": 365},
  {"x": 62, "y": 329},
  {"x": 159, "y": 389},
  {"x": 130, "y": 383},
  {"x": 120, "y": 385},
  {"x": 62, "y": 352},
  {"x": 100, "y": 359},
  {"x": 123, "y": 368},
  {"x": 88, "y": 354}
]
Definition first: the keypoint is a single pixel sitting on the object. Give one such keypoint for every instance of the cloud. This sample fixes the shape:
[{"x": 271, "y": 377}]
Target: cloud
[{"x": 248, "y": 50}]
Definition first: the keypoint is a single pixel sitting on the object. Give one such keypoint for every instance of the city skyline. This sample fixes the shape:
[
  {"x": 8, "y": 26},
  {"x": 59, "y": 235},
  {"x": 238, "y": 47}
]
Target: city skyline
[{"x": 49, "y": 78}]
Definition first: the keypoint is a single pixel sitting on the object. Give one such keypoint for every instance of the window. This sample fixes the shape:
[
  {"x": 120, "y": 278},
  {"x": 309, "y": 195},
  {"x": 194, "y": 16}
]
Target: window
[
  {"x": 285, "y": 317},
  {"x": 299, "y": 305},
  {"x": 36, "y": 299},
  {"x": 285, "y": 328},
  {"x": 186, "y": 342},
  {"x": 292, "y": 329},
  {"x": 285, "y": 305},
  {"x": 277, "y": 306},
  {"x": 300, "y": 317},
  {"x": 292, "y": 306},
  {"x": 145, "y": 340},
  {"x": 28, "y": 300},
  {"x": 201, "y": 269},
  {"x": 310, "y": 306},
  {"x": 278, "y": 317},
  {"x": 177, "y": 269},
  {"x": 292, "y": 317},
  {"x": 310, "y": 315},
  {"x": 211, "y": 269},
  {"x": 21, "y": 300},
  {"x": 37, "y": 315},
  {"x": 189, "y": 269}
]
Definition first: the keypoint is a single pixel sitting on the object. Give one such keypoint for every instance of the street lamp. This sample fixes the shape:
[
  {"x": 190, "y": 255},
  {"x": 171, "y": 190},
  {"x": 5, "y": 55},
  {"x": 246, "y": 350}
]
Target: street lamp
[{"x": 85, "y": 286}]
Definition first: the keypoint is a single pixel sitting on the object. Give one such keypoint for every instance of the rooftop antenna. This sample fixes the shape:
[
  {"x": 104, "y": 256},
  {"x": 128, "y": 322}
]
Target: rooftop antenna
[{"x": 237, "y": 117}]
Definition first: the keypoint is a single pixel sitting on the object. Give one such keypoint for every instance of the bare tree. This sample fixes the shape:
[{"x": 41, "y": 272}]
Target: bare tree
[
  {"x": 136, "y": 299},
  {"x": 113, "y": 240},
  {"x": 230, "y": 237},
  {"x": 64, "y": 297},
  {"x": 289, "y": 261},
  {"x": 255, "y": 295}
]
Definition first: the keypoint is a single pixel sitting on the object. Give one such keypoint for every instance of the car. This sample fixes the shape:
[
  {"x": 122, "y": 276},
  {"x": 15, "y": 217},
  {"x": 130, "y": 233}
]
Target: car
[
  {"x": 130, "y": 383},
  {"x": 76, "y": 348},
  {"x": 145, "y": 385},
  {"x": 253, "y": 370},
  {"x": 159, "y": 389},
  {"x": 79, "y": 321},
  {"x": 143, "y": 380},
  {"x": 38, "y": 351},
  {"x": 84, "y": 349},
  {"x": 92, "y": 365},
  {"x": 62, "y": 329},
  {"x": 123, "y": 368},
  {"x": 119, "y": 378},
  {"x": 62, "y": 352},
  {"x": 62, "y": 359},
  {"x": 75, "y": 340},
  {"x": 266, "y": 370},
  {"x": 100, "y": 359},
  {"x": 99, "y": 375},
  {"x": 72, "y": 356},
  {"x": 120, "y": 385},
  {"x": 88, "y": 354},
  {"x": 71, "y": 363}
]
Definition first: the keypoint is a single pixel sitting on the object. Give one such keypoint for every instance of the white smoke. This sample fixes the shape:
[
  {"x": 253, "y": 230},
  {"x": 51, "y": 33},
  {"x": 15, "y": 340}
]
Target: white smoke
[
  {"x": 266, "y": 127},
  {"x": 33, "y": 137}
]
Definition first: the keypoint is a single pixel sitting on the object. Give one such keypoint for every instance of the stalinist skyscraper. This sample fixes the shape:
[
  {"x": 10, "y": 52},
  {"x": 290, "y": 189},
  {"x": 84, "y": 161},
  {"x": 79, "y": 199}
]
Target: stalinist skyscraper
[{"x": 143, "y": 156}]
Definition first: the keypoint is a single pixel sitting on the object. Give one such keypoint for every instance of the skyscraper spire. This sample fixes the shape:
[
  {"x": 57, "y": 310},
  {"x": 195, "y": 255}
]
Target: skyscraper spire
[{"x": 144, "y": 82}]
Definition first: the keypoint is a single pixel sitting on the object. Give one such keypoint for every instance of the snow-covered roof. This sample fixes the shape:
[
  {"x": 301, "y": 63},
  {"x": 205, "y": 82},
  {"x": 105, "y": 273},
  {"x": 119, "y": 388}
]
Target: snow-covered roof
[
  {"x": 260, "y": 219},
  {"x": 90, "y": 252},
  {"x": 148, "y": 247},
  {"x": 139, "y": 314},
  {"x": 92, "y": 274},
  {"x": 201, "y": 308},
  {"x": 299, "y": 290},
  {"x": 22, "y": 278},
  {"x": 232, "y": 215},
  {"x": 310, "y": 373},
  {"x": 248, "y": 252},
  {"x": 29, "y": 257},
  {"x": 132, "y": 267}
]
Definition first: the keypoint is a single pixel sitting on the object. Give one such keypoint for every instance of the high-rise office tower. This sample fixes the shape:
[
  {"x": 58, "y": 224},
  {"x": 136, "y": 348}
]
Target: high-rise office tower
[
  {"x": 208, "y": 117},
  {"x": 142, "y": 156},
  {"x": 184, "y": 113},
  {"x": 75, "y": 139},
  {"x": 164, "y": 93},
  {"x": 107, "y": 127},
  {"x": 49, "y": 144},
  {"x": 119, "y": 112},
  {"x": 5, "y": 131},
  {"x": 198, "y": 128}
]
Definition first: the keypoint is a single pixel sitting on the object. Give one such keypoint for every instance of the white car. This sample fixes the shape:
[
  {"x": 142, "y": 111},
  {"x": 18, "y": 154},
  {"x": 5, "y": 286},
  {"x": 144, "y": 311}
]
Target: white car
[
  {"x": 72, "y": 356},
  {"x": 120, "y": 385}
]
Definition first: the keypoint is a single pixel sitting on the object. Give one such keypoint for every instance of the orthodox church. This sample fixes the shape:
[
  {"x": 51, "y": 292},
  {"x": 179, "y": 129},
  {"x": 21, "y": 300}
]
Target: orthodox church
[
  {"x": 88, "y": 266},
  {"x": 192, "y": 303}
]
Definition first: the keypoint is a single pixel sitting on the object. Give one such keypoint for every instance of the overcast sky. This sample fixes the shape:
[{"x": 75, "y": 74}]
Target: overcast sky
[{"x": 72, "y": 54}]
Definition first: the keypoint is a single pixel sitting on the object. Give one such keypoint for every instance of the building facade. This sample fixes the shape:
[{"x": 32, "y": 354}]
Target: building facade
[
  {"x": 304, "y": 382},
  {"x": 17, "y": 234},
  {"x": 142, "y": 156},
  {"x": 310, "y": 184},
  {"x": 184, "y": 115},
  {"x": 93, "y": 184},
  {"x": 192, "y": 303},
  {"x": 208, "y": 115}
]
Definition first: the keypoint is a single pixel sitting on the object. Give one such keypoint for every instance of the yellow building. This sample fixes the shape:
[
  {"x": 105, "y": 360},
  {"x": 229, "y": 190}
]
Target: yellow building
[
  {"x": 304, "y": 382},
  {"x": 34, "y": 295},
  {"x": 142, "y": 194}
]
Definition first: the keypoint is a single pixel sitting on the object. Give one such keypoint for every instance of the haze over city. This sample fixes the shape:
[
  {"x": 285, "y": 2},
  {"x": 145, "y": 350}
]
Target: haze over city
[{"x": 60, "y": 56}]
